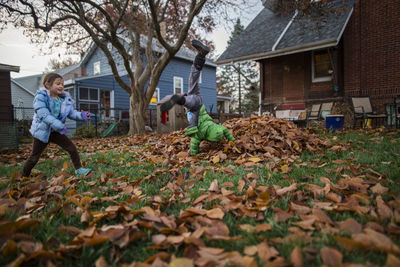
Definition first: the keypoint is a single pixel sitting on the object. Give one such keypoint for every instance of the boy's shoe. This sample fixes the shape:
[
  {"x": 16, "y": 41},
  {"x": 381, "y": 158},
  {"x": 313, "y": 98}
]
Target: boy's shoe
[
  {"x": 83, "y": 171},
  {"x": 200, "y": 47},
  {"x": 175, "y": 99}
]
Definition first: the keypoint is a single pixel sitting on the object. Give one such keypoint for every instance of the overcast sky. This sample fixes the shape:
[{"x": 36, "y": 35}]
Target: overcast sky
[{"x": 16, "y": 50}]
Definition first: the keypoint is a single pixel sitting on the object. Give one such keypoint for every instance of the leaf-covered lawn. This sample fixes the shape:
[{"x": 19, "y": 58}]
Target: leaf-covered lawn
[{"x": 148, "y": 202}]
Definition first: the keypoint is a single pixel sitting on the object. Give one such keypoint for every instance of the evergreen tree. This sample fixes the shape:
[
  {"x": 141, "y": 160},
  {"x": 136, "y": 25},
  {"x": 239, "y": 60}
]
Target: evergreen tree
[{"x": 239, "y": 80}]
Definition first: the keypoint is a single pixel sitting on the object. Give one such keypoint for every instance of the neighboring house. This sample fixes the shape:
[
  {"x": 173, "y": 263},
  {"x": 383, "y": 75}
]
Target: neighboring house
[
  {"x": 223, "y": 104},
  {"x": 8, "y": 129},
  {"x": 93, "y": 87},
  {"x": 353, "y": 52},
  {"x": 23, "y": 90},
  {"x": 6, "y": 111}
]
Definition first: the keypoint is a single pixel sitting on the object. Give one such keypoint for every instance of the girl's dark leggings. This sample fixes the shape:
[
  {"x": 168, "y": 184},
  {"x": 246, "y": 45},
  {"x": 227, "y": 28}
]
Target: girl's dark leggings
[{"x": 38, "y": 147}]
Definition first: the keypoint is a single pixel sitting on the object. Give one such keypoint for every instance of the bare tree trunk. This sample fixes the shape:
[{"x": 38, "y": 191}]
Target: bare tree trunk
[{"x": 136, "y": 116}]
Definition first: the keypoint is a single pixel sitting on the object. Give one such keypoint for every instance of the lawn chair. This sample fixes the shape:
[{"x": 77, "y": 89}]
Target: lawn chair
[
  {"x": 397, "y": 111},
  {"x": 362, "y": 109},
  {"x": 313, "y": 113},
  {"x": 326, "y": 107}
]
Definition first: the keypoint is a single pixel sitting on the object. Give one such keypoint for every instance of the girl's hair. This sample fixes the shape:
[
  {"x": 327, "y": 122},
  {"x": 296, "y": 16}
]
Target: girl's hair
[{"x": 50, "y": 78}]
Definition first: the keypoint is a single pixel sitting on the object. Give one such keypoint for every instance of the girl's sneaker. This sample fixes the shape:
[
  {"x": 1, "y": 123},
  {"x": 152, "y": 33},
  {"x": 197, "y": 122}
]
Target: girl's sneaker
[{"x": 83, "y": 171}]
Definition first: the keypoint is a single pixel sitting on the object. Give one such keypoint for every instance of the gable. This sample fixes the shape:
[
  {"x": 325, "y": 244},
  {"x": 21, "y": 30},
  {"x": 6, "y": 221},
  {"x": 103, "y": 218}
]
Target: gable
[{"x": 270, "y": 35}]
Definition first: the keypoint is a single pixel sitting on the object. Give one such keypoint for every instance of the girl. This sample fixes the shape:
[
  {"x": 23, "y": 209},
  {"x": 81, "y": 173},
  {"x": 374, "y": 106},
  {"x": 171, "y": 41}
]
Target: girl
[{"x": 52, "y": 107}]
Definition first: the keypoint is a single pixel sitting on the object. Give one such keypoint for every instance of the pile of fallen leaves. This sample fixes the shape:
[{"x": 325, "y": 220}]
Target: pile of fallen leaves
[{"x": 258, "y": 139}]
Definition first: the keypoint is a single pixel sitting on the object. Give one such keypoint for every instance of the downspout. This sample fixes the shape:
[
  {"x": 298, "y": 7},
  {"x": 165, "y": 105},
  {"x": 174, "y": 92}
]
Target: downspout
[{"x": 285, "y": 30}]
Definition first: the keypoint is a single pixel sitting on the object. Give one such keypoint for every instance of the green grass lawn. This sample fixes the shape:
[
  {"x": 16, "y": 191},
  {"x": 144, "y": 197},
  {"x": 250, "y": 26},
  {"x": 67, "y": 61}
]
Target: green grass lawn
[{"x": 121, "y": 178}]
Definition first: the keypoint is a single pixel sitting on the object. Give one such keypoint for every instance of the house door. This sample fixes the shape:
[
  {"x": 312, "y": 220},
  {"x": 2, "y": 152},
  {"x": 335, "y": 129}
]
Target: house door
[{"x": 107, "y": 103}]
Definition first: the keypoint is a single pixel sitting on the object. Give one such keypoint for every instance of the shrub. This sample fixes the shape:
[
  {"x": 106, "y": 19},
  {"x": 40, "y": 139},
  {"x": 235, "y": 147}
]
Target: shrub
[{"x": 85, "y": 131}]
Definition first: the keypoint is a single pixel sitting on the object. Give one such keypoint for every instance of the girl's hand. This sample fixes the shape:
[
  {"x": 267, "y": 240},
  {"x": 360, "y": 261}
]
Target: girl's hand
[{"x": 85, "y": 115}]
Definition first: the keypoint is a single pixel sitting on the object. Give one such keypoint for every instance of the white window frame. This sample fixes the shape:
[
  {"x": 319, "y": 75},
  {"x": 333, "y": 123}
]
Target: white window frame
[
  {"x": 89, "y": 100},
  {"x": 320, "y": 79},
  {"x": 175, "y": 79},
  {"x": 96, "y": 65},
  {"x": 158, "y": 96}
]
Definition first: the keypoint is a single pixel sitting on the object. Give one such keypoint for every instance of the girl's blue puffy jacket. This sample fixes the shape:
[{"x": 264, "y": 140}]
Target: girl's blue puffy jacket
[{"x": 44, "y": 120}]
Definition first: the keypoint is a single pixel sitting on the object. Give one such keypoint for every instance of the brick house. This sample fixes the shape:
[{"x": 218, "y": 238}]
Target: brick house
[{"x": 352, "y": 52}]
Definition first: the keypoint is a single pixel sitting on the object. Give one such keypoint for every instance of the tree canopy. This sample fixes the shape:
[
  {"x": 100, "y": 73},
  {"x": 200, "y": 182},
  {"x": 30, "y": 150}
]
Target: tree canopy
[{"x": 133, "y": 28}]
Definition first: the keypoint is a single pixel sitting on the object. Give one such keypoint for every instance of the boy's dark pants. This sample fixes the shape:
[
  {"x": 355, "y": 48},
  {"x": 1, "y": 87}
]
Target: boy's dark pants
[{"x": 38, "y": 147}]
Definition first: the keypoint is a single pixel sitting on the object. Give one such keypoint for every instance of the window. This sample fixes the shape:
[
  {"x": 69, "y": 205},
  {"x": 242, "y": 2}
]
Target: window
[
  {"x": 89, "y": 94},
  {"x": 178, "y": 85},
  {"x": 156, "y": 96},
  {"x": 96, "y": 68},
  {"x": 321, "y": 66},
  {"x": 90, "y": 107},
  {"x": 70, "y": 90}
]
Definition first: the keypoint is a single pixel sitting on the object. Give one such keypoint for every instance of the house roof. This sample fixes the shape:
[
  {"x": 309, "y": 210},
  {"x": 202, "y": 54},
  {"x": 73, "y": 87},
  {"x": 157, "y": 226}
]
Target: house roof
[
  {"x": 270, "y": 35},
  {"x": 183, "y": 53},
  {"x": 22, "y": 87},
  {"x": 5, "y": 67},
  {"x": 29, "y": 83}
]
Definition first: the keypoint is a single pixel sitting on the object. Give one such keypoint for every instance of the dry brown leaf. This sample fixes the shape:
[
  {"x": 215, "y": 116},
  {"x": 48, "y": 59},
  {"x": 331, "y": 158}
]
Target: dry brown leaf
[
  {"x": 379, "y": 189},
  {"x": 299, "y": 209},
  {"x": 9, "y": 248},
  {"x": 306, "y": 224},
  {"x": 392, "y": 261},
  {"x": 383, "y": 210},
  {"x": 287, "y": 189},
  {"x": 331, "y": 257},
  {"x": 250, "y": 250},
  {"x": 350, "y": 225},
  {"x": 296, "y": 258},
  {"x": 175, "y": 239},
  {"x": 158, "y": 239},
  {"x": 266, "y": 252},
  {"x": 3, "y": 210},
  {"x": 373, "y": 240},
  {"x": 216, "y": 213},
  {"x": 262, "y": 227},
  {"x": 181, "y": 262},
  {"x": 214, "y": 186},
  {"x": 101, "y": 262}
]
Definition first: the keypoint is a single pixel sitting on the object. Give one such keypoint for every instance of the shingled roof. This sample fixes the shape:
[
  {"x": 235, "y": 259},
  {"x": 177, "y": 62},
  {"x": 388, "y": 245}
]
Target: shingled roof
[{"x": 270, "y": 35}]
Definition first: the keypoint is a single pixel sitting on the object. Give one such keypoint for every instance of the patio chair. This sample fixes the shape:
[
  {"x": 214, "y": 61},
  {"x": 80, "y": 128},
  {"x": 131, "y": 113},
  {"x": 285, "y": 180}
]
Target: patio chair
[
  {"x": 362, "y": 109},
  {"x": 326, "y": 107},
  {"x": 397, "y": 111},
  {"x": 313, "y": 113}
]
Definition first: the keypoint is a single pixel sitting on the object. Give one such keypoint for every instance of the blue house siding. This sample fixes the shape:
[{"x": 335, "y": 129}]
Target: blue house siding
[
  {"x": 181, "y": 68},
  {"x": 98, "y": 55},
  {"x": 177, "y": 67}
]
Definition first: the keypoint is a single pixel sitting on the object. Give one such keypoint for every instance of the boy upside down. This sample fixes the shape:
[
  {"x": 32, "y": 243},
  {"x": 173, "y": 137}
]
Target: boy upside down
[{"x": 201, "y": 126}]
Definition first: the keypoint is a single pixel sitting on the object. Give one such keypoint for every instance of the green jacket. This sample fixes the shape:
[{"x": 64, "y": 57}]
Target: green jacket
[{"x": 206, "y": 129}]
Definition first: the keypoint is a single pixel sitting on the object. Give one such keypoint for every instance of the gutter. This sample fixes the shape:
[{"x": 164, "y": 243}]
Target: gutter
[
  {"x": 284, "y": 51},
  {"x": 284, "y": 31},
  {"x": 4, "y": 67}
]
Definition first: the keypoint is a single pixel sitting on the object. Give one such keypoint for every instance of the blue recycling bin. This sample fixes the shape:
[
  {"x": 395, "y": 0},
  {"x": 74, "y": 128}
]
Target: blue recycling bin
[{"x": 334, "y": 122}]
